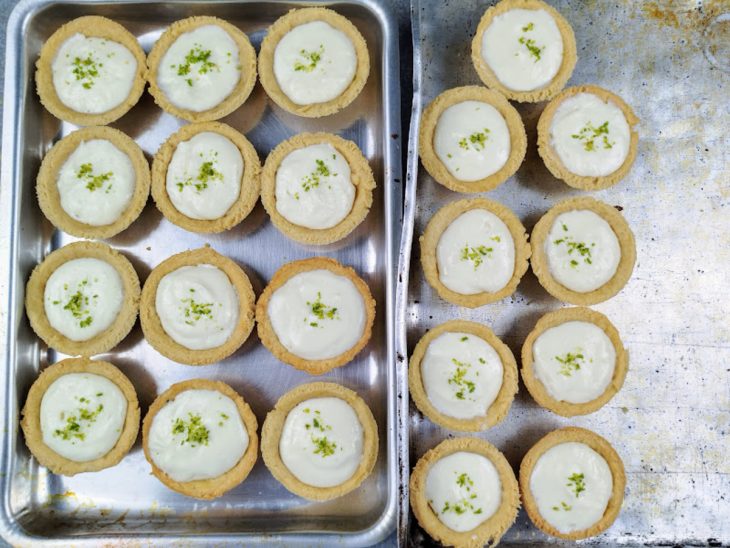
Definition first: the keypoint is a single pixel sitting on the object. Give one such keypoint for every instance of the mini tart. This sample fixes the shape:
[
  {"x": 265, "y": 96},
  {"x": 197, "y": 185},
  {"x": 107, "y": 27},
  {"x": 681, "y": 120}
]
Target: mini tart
[
  {"x": 31, "y": 421},
  {"x": 213, "y": 487},
  {"x": 152, "y": 325},
  {"x": 499, "y": 408},
  {"x": 89, "y": 26},
  {"x": 553, "y": 161},
  {"x": 279, "y": 29},
  {"x": 429, "y": 121},
  {"x": 271, "y": 341},
  {"x": 274, "y": 425},
  {"x": 488, "y": 532},
  {"x": 441, "y": 221},
  {"x": 538, "y": 390},
  {"x": 250, "y": 180},
  {"x": 600, "y": 446},
  {"x": 620, "y": 228},
  {"x": 47, "y": 188},
  {"x": 247, "y": 61},
  {"x": 487, "y": 75},
  {"x": 122, "y": 324},
  {"x": 361, "y": 177}
]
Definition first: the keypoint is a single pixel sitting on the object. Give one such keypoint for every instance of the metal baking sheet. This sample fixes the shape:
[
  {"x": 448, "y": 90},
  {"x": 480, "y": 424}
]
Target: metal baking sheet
[
  {"x": 126, "y": 504},
  {"x": 671, "y": 421}
]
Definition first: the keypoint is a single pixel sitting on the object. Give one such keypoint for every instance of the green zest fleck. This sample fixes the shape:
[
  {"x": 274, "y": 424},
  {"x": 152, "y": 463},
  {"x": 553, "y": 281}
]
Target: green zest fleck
[
  {"x": 321, "y": 311},
  {"x": 581, "y": 248},
  {"x": 564, "y": 506},
  {"x": 93, "y": 182},
  {"x": 464, "y": 504},
  {"x": 85, "y": 70},
  {"x": 78, "y": 304},
  {"x": 313, "y": 179},
  {"x": 206, "y": 173},
  {"x": 224, "y": 417},
  {"x": 464, "y": 338},
  {"x": 570, "y": 363},
  {"x": 530, "y": 44},
  {"x": 588, "y": 134},
  {"x": 73, "y": 428},
  {"x": 576, "y": 482},
  {"x": 196, "y": 56},
  {"x": 459, "y": 381},
  {"x": 194, "y": 310},
  {"x": 476, "y": 140},
  {"x": 193, "y": 429},
  {"x": 528, "y": 27},
  {"x": 311, "y": 59},
  {"x": 323, "y": 446},
  {"x": 476, "y": 254}
]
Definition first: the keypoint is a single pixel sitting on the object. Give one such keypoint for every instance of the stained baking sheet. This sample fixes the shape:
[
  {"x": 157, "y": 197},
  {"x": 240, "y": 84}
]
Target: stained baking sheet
[
  {"x": 125, "y": 504},
  {"x": 671, "y": 421}
]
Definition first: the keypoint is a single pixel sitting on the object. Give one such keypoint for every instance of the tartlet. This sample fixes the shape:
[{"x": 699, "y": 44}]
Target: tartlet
[
  {"x": 178, "y": 283},
  {"x": 201, "y": 432},
  {"x": 593, "y": 156},
  {"x": 473, "y": 455},
  {"x": 529, "y": 26},
  {"x": 496, "y": 224},
  {"x": 193, "y": 68},
  {"x": 325, "y": 298},
  {"x": 78, "y": 427},
  {"x": 565, "y": 492},
  {"x": 212, "y": 173},
  {"x": 487, "y": 128},
  {"x": 84, "y": 306},
  {"x": 352, "y": 410},
  {"x": 283, "y": 58},
  {"x": 597, "y": 268},
  {"x": 95, "y": 182},
  {"x": 338, "y": 202},
  {"x": 490, "y": 356},
  {"x": 588, "y": 365},
  {"x": 86, "y": 72}
]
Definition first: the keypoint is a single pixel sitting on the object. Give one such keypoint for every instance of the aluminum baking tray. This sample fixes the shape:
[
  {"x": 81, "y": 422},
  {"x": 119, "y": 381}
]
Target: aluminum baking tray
[
  {"x": 125, "y": 504},
  {"x": 671, "y": 421}
]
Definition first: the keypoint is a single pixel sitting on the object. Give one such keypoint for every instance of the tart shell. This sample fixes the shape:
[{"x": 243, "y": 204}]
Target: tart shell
[
  {"x": 430, "y": 118},
  {"x": 600, "y": 446},
  {"x": 212, "y": 487},
  {"x": 274, "y": 424},
  {"x": 499, "y": 408}
]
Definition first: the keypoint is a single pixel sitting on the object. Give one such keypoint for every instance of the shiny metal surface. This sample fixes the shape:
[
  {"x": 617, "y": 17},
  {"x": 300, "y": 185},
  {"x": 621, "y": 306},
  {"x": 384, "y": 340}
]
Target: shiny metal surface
[
  {"x": 671, "y": 421},
  {"x": 125, "y": 504}
]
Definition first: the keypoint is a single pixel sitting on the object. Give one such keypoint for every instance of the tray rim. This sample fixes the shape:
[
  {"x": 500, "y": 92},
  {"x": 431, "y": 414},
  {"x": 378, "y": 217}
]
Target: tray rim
[{"x": 15, "y": 89}]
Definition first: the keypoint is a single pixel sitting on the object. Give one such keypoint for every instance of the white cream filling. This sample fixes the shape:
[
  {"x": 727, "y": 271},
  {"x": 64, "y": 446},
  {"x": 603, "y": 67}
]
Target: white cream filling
[
  {"x": 83, "y": 297},
  {"x": 472, "y": 140},
  {"x": 313, "y": 187},
  {"x": 314, "y": 63},
  {"x": 321, "y": 442},
  {"x": 464, "y": 490},
  {"x": 204, "y": 175},
  {"x": 198, "y": 435},
  {"x": 575, "y": 361},
  {"x": 476, "y": 253},
  {"x": 96, "y": 183},
  {"x": 317, "y": 314},
  {"x": 82, "y": 416},
  {"x": 200, "y": 69},
  {"x": 582, "y": 250},
  {"x": 462, "y": 375},
  {"x": 524, "y": 48},
  {"x": 571, "y": 484},
  {"x": 590, "y": 136},
  {"x": 93, "y": 75},
  {"x": 198, "y": 306}
]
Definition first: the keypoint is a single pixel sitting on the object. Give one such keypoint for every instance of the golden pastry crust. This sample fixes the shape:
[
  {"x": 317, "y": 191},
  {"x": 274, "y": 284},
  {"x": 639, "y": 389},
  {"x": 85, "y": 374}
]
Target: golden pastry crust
[
  {"x": 274, "y": 424},
  {"x": 212, "y": 487},
  {"x": 285, "y": 24},
  {"x": 47, "y": 188},
  {"x": 625, "y": 239},
  {"x": 499, "y": 408},
  {"x": 268, "y": 335},
  {"x": 600, "y": 446},
  {"x": 152, "y": 326},
  {"x": 549, "y": 90},
  {"x": 89, "y": 26},
  {"x": 489, "y": 532},
  {"x": 31, "y": 421},
  {"x": 537, "y": 389},
  {"x": 361, "y": 177},
  {"x": 107, "y": 339},
  {"x": 250, "y": 179},
  {"x": 430, "y": 118},
  {"x": 247, "y": 60},
  {"x": 435, "y": 228},
  {"x": 553, "y": 161}
]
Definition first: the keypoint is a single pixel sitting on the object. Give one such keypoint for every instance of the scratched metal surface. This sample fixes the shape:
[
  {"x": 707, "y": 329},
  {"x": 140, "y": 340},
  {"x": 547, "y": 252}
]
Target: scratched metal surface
[
  {"x": 125, "y": 504},
  {"x": 671, "y": 421}
]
